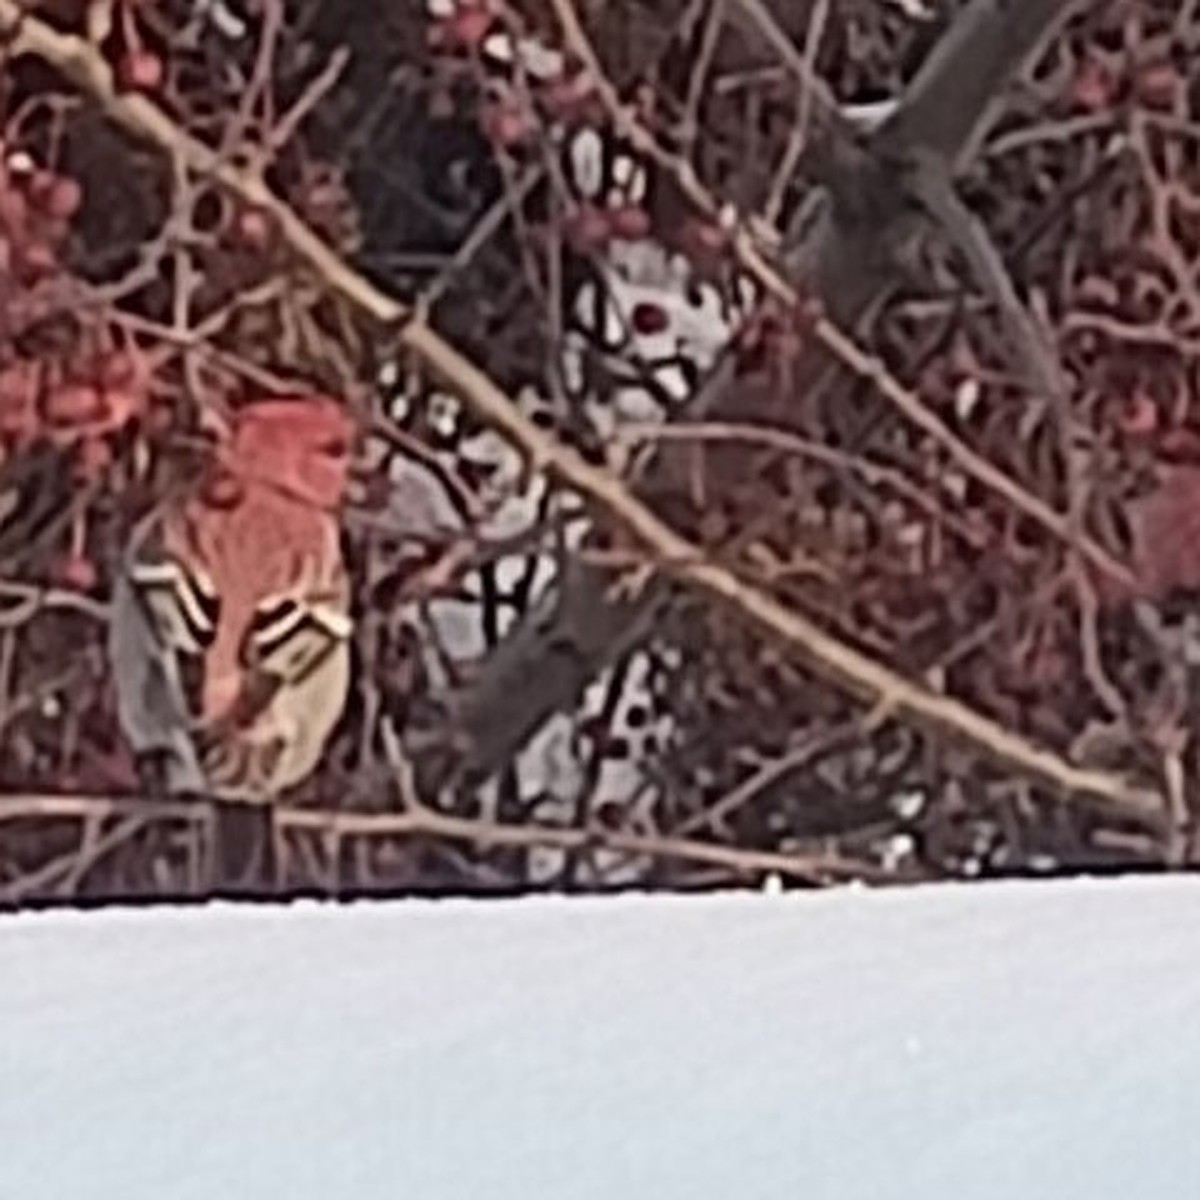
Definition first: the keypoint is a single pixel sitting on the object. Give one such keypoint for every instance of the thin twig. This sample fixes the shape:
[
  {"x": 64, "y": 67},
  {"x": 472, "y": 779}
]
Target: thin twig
[
  {"x": 811, "y": 868},
  {"x": 786, "y": 442},
  {"x": 840, "y": 664},
  {"x": 421, "y": 821},
  {"x": 844, "y": 348},
  {"x": 798, "y": 138}
]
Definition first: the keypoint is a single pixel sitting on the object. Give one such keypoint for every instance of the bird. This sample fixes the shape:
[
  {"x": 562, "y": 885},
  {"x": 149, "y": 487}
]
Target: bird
[{"x": 230, "y": 628}]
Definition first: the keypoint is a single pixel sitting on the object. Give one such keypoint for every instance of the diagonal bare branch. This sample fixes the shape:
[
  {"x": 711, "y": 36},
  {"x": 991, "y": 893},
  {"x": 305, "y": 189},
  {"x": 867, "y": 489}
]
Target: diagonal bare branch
[
  {"x": 846, "y": 668},
  {"x": 847, "y": 246}
]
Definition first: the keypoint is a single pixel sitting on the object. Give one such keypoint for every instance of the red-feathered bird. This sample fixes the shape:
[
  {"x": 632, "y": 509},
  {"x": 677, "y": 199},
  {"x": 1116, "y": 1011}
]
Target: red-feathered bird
[{"x": 230, "y": 633}]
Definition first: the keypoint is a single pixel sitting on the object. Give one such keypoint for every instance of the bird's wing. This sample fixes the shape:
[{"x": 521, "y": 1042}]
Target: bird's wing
[
  {"x": 292, "y": 631},
  {"x": 180, "y": 603},
  {"x": 163, "y": 619},
  {"x": 293, "y": 690},
  {"x": 291, "y": 636}
]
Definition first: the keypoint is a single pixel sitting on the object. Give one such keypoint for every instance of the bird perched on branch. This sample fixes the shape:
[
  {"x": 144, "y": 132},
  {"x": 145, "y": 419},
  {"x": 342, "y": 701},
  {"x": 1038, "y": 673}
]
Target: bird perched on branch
[{"x": 230, "y": 632}]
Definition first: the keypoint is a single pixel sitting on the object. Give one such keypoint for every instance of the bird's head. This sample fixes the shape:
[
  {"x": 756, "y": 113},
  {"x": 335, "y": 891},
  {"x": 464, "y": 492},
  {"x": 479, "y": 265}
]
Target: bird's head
[{"x": 300, "y": 445}]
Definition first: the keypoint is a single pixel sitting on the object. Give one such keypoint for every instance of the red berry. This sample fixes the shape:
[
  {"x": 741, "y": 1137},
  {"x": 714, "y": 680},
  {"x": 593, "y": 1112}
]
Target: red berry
[
  {"x": 251, "y": 229},
  {"x": 121, "y": 405},
  {"x": 1093, "y": 89},
  {"x": 93, "y": 456},
  {"x": 703, "y": 240},
  {"x": 588, "y": 229},
  {"x": 140, "y": 71},
  {"x": 1158, "y": 85},
  {"x": 77, "y": 571},
  {"x": 117, "y": 368},
  {"x": 39, "y": 186},
  {"x": 19, "y": 386},
  {"x": 14, "y": 209},
  {"x": 73, "y": 404},
  {"x": 1140, "y": 417},
  {"x": 505, "y": 124},
  {"x": 36, "y": 259},
  {"x": 465, "y": 30},
  {"x": 573, "y": 98},
  {"x": 630, "y": 222},
  {"x": 64, "y": 198},
  {"x": 648, "y": 319}
]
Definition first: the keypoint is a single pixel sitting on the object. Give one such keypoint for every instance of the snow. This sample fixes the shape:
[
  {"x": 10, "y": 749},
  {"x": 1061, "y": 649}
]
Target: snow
[{"x": 1018, "y": 1040}]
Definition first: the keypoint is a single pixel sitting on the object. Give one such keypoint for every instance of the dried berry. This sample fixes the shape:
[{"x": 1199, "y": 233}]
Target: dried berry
[
  {"x": 251, "y": 229},
  {"x": 649, "y": 319},
  {"x": 1158, "y": 86},
  {"x": 71, "y": 405},
  {"x": 505, "y": 123},
  {"x": 465, "y": 30},
  {"x": 76, "y": 570},
  {"x": 140, "y": 71},
  {"x": 1094, "y": 88},
  {"x": 35, "y": 260},
  {"x": 64, "y": 198},
  {"x": 588, "y": 229},
  {"x": 574, "y": 98},
  {"x": 630, "y": 222}
]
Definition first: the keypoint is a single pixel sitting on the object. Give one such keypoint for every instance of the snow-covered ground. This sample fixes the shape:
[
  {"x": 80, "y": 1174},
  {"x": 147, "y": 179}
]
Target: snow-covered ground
[{"x": 1025, "y": 1040}]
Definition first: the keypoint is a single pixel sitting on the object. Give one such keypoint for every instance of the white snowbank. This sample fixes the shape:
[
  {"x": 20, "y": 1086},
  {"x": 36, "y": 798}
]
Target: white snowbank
[{"x": 1019, "y": 1041}]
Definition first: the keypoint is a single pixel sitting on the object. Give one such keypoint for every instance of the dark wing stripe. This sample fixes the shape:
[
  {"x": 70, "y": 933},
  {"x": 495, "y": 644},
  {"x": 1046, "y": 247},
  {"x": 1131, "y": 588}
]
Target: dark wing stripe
[
  {"x": 289, "y": 638},
  {"x": 202, "y": 608},
  {"x": 184, "y": 609},
  {"x": 274, "y": 623}
]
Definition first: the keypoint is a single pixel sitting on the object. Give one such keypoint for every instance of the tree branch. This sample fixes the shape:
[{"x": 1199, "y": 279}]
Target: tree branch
[
  {"x": 846, "y": 668},
  {"x": 134, "y": 813},
  {"x": 951, "y": 100},
  {"x": 846, "y": 246}
]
